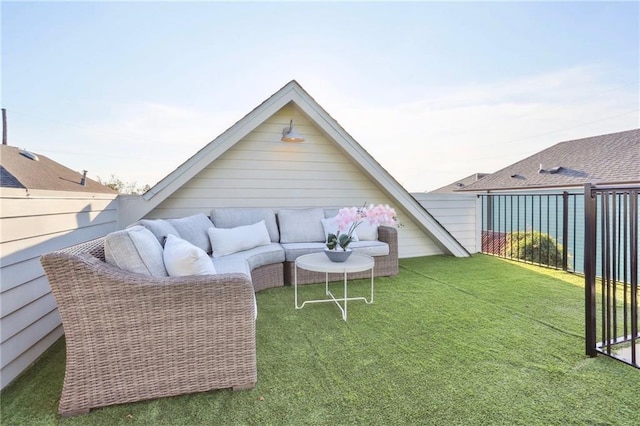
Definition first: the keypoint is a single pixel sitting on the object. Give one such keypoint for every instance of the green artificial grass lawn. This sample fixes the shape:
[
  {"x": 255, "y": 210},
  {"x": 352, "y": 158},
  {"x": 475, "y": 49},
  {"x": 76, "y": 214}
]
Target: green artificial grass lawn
[{"x": 448, "y": 341}]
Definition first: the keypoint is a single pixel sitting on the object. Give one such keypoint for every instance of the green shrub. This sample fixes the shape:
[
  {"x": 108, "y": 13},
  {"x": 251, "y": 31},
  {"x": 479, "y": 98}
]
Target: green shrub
[{"x": 535, "y": 247}]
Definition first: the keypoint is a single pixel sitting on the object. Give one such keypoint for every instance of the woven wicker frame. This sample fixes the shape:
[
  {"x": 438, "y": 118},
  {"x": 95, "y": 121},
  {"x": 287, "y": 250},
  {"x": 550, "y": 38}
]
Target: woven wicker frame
[
  {"x": 131, "y": 337},
  {"x": 384, "y": 266}
]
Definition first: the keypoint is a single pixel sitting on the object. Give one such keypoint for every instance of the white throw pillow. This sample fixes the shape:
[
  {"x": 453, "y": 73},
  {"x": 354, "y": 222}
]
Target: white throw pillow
[
  {"x": 330, "y": 226},
  {"x": 226, "y": 241},
  {"x": 183, "y": 258},
  {"x": 367, "y": 231}
]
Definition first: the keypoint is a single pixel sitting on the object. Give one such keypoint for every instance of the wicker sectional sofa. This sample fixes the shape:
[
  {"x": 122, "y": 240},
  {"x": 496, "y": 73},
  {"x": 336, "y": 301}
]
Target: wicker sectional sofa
[{"x": 133, "y": 332}]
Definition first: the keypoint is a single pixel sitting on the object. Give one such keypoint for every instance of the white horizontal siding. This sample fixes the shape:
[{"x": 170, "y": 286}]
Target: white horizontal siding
[
  {"x": 458, "y": 213},
  {"x": 262, "y": 171},
  {"x": 26, "y": 358},
  {"x": 33, "y": 223}
]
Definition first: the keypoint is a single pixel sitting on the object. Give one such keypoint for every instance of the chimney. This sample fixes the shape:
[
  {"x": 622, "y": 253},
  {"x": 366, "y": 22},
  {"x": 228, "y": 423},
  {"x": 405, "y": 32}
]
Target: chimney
[
  {"x": 4, "y": 126},
  {"x": 83, "y": 181}
]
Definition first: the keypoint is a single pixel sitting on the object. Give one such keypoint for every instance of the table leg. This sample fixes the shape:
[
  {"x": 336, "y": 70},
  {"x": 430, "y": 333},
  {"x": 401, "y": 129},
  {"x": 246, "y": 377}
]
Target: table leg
[
  {"x": 371, "y": 286},
  {"x": 295, "y": 284},
  {"x": 344, "y": 316}
]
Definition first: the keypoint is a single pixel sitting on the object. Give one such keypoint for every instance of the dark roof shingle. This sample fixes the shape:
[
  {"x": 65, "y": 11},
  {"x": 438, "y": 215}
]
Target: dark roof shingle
[
  {"x": 19, "y": 171},
  {"x": 459, "y": 184},
  {"x": 606, "y": 159}
]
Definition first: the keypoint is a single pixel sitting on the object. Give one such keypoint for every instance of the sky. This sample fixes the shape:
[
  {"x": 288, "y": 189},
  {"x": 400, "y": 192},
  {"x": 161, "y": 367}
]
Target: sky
[{"x": 434, "y": 91}]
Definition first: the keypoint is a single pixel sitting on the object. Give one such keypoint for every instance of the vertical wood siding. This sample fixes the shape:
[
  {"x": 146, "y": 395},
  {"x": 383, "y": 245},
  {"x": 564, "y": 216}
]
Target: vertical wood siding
[
  {"x": 458, "y": 213},
  {"x": 262, "y": 171},
  {"x": 31, "y": 224}
]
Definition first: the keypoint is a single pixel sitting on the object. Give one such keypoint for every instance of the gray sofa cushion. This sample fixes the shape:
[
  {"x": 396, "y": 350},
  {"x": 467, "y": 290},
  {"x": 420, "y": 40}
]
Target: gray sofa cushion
[
  {"x": 259, "y": 256},
  {"x": 293, "y": 250},
  {"x": 229, "y": 217},
  {"x": 226, "y": 265},
  {"x": 301, "y": 225},
  {"x": 135, "y": 249},
  {"x": 194, "y": 229},
  {"x": 371, "y": 248},
  {"x": 160, "y": 228}
]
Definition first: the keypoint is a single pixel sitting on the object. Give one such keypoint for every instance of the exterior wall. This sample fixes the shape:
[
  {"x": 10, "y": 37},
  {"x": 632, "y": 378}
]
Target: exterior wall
[
  {"x": 458, "y": 213},
  {"x": 33, "y": 223},
  {"x": 262, "y": 171}
]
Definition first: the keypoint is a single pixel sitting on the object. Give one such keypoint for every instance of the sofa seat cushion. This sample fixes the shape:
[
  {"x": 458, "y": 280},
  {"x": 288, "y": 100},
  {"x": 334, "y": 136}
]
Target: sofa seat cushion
[
  {"x": 225, "y": 265},
  {"x": 229, "y": 217},
  {"x": 259, "y": 256},
  {"x": 293, "y": 250},
  {"x": 135, "y": 249},
  {"x": 372, "y": 248}
]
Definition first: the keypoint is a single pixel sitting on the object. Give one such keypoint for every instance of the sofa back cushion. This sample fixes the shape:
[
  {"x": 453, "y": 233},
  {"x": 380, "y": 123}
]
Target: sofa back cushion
[
  {"x": 135, "y": 249},
  {"x": 231, "y": 217},
  {"x": 301, "y": 225},
  {"x": 160, "y": 228},
  {"x": 194, "y": 229}
]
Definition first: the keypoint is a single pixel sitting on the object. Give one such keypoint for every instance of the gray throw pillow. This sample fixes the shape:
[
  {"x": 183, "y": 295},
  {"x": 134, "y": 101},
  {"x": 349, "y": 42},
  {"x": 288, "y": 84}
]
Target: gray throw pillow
[
  {"x": 194, "y": 229},
  {"x": 160, "y": 228}
]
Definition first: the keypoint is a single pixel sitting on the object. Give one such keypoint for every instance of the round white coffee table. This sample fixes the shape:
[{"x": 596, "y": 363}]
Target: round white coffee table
[{"x": 319, "y": 262}]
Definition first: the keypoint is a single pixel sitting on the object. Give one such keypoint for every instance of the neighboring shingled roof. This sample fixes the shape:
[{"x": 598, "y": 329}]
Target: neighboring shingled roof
[
  {"x": 19, "y": 171},
  {"x": 459, "y": 184},
  {"x": 606, "y": 159}
]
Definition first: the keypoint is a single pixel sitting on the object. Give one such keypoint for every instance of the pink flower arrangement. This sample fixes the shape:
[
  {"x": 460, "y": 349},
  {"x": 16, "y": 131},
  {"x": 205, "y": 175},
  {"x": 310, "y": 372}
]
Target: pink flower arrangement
[{"x": 349, "y": 218}]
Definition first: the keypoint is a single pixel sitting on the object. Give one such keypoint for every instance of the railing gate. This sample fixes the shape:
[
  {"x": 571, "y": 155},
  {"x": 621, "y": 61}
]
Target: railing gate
[{"x": 611, "y": 252}]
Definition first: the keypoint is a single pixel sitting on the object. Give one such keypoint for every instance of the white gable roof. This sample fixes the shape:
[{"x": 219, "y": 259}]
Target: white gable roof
[{"x": 135, "y": 208}]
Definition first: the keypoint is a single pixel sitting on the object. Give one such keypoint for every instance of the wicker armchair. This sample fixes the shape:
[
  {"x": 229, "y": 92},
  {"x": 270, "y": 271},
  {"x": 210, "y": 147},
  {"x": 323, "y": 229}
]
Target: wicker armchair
[{"x": 131, "y": 337}]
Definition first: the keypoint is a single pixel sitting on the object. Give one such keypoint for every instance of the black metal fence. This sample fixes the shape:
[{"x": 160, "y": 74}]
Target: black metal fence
[
  {"x": 541, "y": 228},
  {"x": 611, "y": 272}
]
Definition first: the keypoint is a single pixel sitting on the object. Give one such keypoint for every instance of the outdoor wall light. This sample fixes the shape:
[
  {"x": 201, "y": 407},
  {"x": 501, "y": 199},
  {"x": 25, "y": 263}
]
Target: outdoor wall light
[{"x": 290, "y": 134}]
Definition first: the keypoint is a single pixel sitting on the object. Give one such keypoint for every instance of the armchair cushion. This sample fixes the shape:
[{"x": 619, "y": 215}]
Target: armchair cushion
[{"x": 135, "y": 249}]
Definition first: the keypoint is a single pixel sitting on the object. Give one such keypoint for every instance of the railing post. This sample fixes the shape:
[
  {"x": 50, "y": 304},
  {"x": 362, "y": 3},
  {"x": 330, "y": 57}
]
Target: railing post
[
  {"x": 565, "y": 229},
  {"x": 634, "y": 225},
  {"x": 590, "y": 235}
]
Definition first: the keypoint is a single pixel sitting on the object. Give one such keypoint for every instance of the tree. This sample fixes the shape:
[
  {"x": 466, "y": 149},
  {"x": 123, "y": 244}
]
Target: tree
[
  {"x": 535, "y": 247},
  {"x": 117, "y": 184}
]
